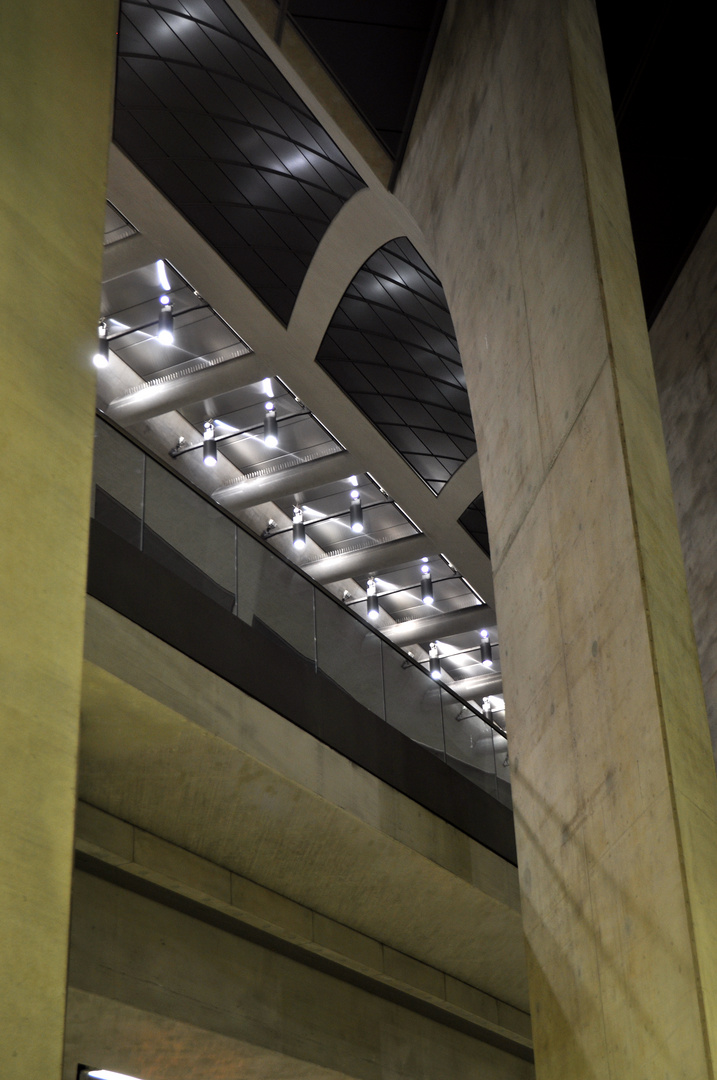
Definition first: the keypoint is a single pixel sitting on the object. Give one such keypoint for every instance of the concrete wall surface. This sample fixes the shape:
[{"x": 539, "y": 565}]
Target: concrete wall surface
[
  {"x": 513, "y": 171},
  {"x": 684, "y": 347},
  {"x": 159, "y": 994},
  {"x": 57, "y": 66},
  {"x": 178, "y": 752},
  {"x": 188, "y": 783}
]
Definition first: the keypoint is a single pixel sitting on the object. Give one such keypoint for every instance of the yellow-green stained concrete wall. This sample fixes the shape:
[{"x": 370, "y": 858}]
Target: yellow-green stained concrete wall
[
  {"x": 514, "y": 173},
  {"x": 56, "y": 81}
]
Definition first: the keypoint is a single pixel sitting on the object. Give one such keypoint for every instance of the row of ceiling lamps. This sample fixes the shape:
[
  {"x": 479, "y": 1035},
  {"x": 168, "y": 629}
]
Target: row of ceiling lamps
[{"x": 165, "y": 335}]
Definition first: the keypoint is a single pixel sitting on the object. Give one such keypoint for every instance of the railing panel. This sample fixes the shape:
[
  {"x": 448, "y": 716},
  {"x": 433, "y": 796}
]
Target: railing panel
[
  {"x": 148, "y": 505},
  {"x": 413, "y": 701},
  {"x": 469, "y": 743},
  {"x": 188, "y": 535},
  {"x": 273, "y": 597},
  {"x": 118, "y": 488},
  {"x": 349, "y": 653},
  {"x": 502, "y": 763}
]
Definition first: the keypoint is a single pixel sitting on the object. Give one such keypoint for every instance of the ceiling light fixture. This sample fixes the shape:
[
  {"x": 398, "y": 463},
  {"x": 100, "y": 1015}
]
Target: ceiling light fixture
[
  {"x": 102, "y": 357},
  {"x": 298, "y": 531},
  {"x": 210, "y": 444},
  {"x": 356, "y": 512},
  {"x": 371, "y": 599},
  {"x": 426, "y": 583},
  {"x": 434, "y": 661},
  {"x": 271, "y": 429},
  {"x": 165, "y": 331},
  {"x": 486, "y": 649}
]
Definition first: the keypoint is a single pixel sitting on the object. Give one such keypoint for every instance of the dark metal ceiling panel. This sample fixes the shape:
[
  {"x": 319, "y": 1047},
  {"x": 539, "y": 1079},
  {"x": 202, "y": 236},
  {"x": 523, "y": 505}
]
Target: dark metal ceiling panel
[
  {"x": 392, "y": 349},
  {"x": 475, "y": 523},
  {"x": 203, "y": 111}
]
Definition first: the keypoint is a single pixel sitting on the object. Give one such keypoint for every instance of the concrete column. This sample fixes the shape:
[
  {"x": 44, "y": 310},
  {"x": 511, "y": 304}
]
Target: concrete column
[
  {"x": 684, "y": 346},
  {"x": 514, "y": 173},
  {"x": 56, "y": 82}
]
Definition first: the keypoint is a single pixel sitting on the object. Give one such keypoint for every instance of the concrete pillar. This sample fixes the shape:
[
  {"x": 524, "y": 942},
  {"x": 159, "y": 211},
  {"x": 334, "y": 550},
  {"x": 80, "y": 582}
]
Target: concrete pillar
[
  {"x": 684, "y": 347},
  {"x": 514, "y": 173},
  {"x": 56, "y": 82}
]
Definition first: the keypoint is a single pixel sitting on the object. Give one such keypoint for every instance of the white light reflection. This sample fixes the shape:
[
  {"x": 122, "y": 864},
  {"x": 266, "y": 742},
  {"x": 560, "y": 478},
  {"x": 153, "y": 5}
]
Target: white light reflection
[
  {"x": 162, "y": 275},
  {"x": 107, "y": 1074},
  {"x": 461, "y": 659}
]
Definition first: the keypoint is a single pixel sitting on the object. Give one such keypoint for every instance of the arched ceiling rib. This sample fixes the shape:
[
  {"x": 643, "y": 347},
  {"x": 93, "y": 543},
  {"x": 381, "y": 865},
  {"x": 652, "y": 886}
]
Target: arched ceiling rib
[{"x": 214, "y": 124}]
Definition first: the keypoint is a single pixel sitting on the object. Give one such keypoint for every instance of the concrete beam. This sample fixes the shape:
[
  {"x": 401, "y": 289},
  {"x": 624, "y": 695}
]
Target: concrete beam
[
  {"x": 370, "y": 560},
  {"x": 165, "y": 396},
  {"x": 440, "y": 625},
  {"x": 288, "y": 481}
]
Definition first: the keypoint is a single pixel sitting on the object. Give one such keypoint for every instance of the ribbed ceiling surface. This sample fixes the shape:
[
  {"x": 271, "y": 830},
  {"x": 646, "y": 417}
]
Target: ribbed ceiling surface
[
  {"x": 212, "y": 122},
  {"x": 392, "y": 348}
]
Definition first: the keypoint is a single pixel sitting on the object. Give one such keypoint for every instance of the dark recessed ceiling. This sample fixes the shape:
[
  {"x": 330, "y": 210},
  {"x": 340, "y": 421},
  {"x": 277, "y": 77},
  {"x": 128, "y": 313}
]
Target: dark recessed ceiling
[
  {"x": 661, "y": 68},
  {"x": 207, "y": 116},
  {"x": 377, "y": 51},
  {"x": 392, "y": 348},
  {"x": 474, "y": 521}
]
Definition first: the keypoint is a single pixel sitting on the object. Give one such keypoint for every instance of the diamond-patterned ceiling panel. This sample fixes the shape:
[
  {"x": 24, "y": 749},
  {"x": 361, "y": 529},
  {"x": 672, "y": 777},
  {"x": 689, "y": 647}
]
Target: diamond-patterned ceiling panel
[
  {"x": 474, "y": 521},
  {"x": 208, "y": 117},
  {"x": 391, "y": 347}
]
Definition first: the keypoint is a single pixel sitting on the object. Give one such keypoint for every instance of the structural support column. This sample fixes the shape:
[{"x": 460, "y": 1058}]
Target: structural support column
[
  {"x": 56, "y": 84},
  {"x": 514, "y": 173}
]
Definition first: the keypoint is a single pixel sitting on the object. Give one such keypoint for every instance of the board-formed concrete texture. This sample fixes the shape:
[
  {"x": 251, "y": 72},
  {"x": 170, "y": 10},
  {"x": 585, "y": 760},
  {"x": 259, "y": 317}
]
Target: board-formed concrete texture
[
  {"x": 684, "y": 347},
  {"x": 184, "y": 756},
  {"x": 52, "y": 197},
  {"x": 157, "y": 993},
  {"x": 513, "y": 171}
]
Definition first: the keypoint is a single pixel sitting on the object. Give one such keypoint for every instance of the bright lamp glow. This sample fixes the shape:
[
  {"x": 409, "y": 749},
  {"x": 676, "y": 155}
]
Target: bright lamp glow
[
  {"x": 102, "y": 357},
  {"x": 371, "y": 599},
  {"x": 356, "y": 512},
  {"x": 165, "y": 330},
  {"x": 486, "y": 649},
  {"x": 162, "y": 275},
  {"x": 271, "y": 430},
  {"x": 426, "y": 583},
  {"x": 107, "y": 1074},
  {"x": 434, "y": 661},
  {"x": 298, "y": 532},
  {"x": 210, "y": 445}
]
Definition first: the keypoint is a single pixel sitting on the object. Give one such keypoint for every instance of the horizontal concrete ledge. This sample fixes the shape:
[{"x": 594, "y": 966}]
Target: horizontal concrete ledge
[
  {"x": 370, "y": 559},
  {"x": 155, "y": 399},
  {"x": 439, "y": 625},
  {"x": 291, "y": 480},
  {"x": 152, "y": 597},
  {"x": 132, "y": 858}
]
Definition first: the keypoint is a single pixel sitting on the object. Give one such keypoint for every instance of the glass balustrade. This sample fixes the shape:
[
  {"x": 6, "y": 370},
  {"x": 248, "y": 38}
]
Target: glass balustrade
[{"x": 150, "y": 507}]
